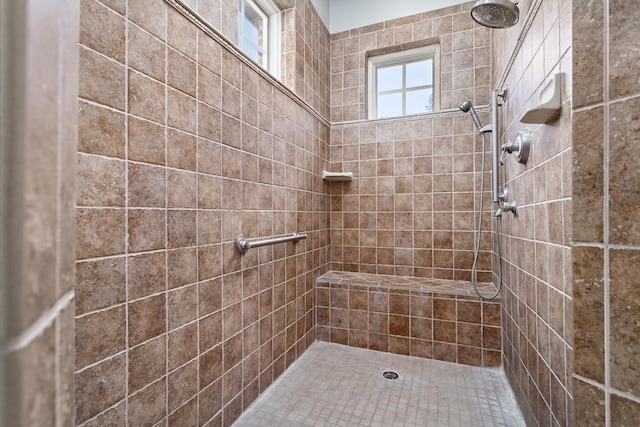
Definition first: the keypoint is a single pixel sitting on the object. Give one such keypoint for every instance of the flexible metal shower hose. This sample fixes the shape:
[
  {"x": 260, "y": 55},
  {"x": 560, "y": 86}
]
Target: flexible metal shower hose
[{"x": 474, "y": 270}]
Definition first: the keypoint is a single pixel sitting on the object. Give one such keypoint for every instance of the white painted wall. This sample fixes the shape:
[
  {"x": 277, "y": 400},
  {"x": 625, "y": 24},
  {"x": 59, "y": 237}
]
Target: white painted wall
[
  {"x": 323, "y": 9},
  {"x": 349, "y": 14}
]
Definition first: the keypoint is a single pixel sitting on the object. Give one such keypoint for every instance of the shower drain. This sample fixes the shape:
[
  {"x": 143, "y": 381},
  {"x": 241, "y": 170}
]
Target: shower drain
[{"x": 390, "y": 375}]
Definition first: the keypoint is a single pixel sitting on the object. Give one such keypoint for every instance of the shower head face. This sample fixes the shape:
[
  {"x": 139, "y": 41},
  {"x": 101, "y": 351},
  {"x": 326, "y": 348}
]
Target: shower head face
[
  {"x": 495, "y": 13},
  {"x": 465, "y": 106}
]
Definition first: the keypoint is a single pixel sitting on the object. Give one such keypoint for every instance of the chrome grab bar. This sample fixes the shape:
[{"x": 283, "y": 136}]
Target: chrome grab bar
[{"x": 243, "y": 245}]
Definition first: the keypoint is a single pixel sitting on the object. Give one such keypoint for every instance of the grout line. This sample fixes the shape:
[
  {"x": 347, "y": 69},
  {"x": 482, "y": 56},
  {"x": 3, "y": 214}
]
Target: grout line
[
  {"x": 606, "y": 389},
  {"x": 608, "y": 101},
  {"x": 625, "y": 395},
  {"x": 126, "y": 217},
  {"x": 122, "y": 352},
  {"x": 609, "y": 246},
  {"x": 111, "y": 59},
  {"x": 198, "y": 214},
  {"x": 95, "y": 417},
  {"x": 40, "y": 324},
  {"x": 58, "y": 230},
  {"x": 165, "y": 126},
  {"x": 606, "y": 237},
  {"x": 58, "y": 379}
]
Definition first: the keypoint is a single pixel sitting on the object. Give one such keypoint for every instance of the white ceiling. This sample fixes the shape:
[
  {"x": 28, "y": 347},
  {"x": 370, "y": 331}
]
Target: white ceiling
[{"x": 342, "y": 15}]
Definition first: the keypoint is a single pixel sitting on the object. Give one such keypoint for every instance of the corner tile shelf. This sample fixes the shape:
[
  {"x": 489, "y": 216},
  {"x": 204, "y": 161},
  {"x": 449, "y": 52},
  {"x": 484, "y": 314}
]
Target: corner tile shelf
[{"x": 337, "y": 176}]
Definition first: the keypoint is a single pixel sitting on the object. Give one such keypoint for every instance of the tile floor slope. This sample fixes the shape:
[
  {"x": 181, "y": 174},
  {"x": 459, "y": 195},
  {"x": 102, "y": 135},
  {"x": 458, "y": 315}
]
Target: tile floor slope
[{"x": 335, "y": 385}]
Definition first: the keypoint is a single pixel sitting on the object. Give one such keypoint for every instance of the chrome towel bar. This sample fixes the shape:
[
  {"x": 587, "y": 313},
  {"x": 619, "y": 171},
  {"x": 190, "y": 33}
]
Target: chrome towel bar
[{"x": 243, "y": 245}]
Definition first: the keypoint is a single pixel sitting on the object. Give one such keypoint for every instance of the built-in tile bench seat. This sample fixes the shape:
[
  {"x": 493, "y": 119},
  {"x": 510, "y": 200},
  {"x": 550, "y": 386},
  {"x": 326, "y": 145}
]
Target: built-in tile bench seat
[{"x": 431, "y": 318}]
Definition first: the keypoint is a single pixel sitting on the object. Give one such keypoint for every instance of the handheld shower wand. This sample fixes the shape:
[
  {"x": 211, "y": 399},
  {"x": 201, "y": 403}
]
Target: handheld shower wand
[{"x": 467, "y": 107}]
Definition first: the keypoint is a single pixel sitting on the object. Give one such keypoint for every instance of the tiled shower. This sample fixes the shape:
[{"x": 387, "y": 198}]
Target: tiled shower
[{"x": 174, "y": 144}]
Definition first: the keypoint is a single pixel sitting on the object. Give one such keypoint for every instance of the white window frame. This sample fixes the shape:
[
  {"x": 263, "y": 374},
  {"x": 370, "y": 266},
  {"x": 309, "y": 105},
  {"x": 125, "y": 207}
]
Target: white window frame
[
  {"x": 402, "y": 57},
  {"x": 271, "y": 32}
]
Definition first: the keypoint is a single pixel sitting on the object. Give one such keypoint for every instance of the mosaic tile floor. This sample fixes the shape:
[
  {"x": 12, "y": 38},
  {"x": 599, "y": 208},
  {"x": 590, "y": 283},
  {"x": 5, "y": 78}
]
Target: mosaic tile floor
[
  {"x": 335, "y": 385},
  {"x": 454, "y": 287}
]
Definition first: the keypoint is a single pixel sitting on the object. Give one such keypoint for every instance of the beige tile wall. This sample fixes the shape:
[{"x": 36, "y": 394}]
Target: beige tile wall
[
  {"x": 312, "y": 52},
  {"x": 605, "y": 217},
  {"x": 465, "y": 49},
  {"x": 538, "y": 292},
  {"x": 411, "y": 208},
  {"x": 304, "y": 41},
  {"x": 183, "y": 146},
  {"x": 38, "y": 125}
]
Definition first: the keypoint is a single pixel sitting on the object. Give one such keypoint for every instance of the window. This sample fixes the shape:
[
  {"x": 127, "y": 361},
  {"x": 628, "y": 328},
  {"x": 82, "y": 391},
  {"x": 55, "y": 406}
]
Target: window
[
  {"x": 259, "y": 33},
  {"x": 404, "y": 83}
]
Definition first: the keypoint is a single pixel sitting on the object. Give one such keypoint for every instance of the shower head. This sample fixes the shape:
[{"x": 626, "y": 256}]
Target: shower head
[
  {"x": 495, "y": 13},
  {"x": 466, "y": 107}
]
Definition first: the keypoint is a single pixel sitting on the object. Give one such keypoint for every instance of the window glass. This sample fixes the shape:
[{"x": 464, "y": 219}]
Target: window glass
[
  {"x": 390, "y": 105},
  {"x": 253, "y": 24},
  {"x": 419, "y": 73},
  {"x": 404, "y": 82},
  {"x": 418, "y": 101},
  {"x": 259, "y": 33},
  {"x": 389, "y": 78},
  {"x": 253, "y": 51}
]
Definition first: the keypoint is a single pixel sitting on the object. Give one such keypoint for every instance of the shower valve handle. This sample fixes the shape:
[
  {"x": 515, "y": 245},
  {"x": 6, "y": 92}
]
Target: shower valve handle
[
  {"x": 509, "y": 147},
  {"x": 503, "y": 151},
  {"x": 506, "y": 207},
  {"x": 520, "y": 146}
]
